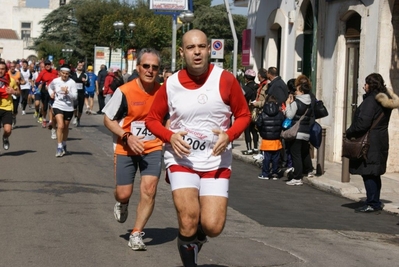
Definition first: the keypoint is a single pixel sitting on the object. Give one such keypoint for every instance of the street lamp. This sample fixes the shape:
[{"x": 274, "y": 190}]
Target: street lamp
[
  {"x": 67, "y": 52},
  {"x": 122, "y": 34},
  {"x": 186, "y": 17}
]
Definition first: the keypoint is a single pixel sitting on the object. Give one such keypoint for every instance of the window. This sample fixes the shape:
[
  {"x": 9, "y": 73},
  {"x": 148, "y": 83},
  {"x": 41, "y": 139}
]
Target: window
[{"x": 25, "y": 30}]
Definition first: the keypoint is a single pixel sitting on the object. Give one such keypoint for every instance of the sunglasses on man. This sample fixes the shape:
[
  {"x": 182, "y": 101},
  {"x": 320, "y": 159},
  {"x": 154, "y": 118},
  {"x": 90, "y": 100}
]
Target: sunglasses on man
[{"x": 153, "y": 67}]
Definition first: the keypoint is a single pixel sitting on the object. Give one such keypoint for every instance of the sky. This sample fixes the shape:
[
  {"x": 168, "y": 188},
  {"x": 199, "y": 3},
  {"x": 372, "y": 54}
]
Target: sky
[{"x": 234, "y": 10}]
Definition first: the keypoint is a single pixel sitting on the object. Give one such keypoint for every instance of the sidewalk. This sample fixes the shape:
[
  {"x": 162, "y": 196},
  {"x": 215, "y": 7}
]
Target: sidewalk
[{"x": 330, "y": 181}]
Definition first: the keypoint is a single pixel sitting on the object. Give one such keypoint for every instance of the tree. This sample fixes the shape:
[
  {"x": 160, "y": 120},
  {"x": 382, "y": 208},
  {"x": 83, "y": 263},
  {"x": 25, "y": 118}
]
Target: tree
[
  {"x": 215, "y": 23},
  {"x": 81, "y": 24}
]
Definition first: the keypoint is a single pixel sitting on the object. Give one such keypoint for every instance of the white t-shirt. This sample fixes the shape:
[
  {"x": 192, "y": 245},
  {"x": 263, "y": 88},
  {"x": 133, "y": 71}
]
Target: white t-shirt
[
  {"x": 63, "y": 101},
  {"x": 198, "y": 112},
  {"x": 25, "y": 75}
]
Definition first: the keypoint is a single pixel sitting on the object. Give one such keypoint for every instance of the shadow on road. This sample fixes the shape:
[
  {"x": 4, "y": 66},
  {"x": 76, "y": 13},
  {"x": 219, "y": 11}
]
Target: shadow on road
[
  {"x": 18, "y": 153},
  {"x": 158, "y": 236}
]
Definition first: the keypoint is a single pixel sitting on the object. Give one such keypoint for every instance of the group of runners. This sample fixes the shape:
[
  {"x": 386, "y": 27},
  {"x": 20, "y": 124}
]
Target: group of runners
[{"x": 57, "y": 96}]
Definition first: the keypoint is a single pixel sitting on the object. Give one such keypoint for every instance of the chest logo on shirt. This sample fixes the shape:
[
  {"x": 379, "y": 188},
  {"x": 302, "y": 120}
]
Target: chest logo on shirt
[
  {"x": 202, "y": 98},
  {"x": 133, "y": 103}
]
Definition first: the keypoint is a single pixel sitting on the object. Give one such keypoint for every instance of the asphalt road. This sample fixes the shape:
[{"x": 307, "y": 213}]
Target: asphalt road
[{"x": 59, "y": 212}]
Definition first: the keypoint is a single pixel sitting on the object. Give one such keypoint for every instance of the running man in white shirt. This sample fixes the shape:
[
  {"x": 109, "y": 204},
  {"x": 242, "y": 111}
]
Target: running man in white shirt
[
  {"x": 63, "y": 90},
  {"x": 200, "y": 99}
]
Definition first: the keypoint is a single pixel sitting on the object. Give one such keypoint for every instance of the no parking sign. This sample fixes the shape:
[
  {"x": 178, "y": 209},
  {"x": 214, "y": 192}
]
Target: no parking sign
[{"x": 217, "y": 48}]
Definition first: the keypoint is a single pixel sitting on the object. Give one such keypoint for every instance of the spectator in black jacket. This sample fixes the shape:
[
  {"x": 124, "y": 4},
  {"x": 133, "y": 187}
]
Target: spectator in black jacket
[
  {"x": 269, "y": 126},
  {"x": 101, "y": 79},
  {"x": 250, "y": 88},
  {"x": 277, "y": 86},
  {"x": 377, "y": 101}
]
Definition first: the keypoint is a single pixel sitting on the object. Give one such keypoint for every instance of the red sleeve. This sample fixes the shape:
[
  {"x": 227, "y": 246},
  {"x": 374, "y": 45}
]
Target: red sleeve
[
  {"x": 39, "y": 77},
  {"x": 232, "y": 95},
  {"x": 157, "y": 114},
  {"x": 107, "y": 82}
]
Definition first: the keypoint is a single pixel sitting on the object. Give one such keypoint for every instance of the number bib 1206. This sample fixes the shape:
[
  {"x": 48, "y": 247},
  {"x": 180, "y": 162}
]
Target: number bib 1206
[
  {"x": 138, "y": 129},
  {"x": 200, "y": 146}
]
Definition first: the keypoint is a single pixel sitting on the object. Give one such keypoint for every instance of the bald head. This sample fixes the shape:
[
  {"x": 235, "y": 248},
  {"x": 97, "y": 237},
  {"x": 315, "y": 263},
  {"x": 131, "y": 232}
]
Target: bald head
[
  {"x": 195, "y": 51},
  {"x": 194, "y": 34}
]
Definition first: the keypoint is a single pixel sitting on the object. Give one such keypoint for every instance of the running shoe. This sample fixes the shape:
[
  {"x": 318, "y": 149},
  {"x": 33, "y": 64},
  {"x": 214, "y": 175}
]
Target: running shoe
[
  {"x": 49, "y": 125},
  {"x": 258, "y": 156},
  {"x": 260, "y": 176},
  {"x": 75, "y": 121},
  {"x": 288, "y": 171},
  {"x": 44, "y": 123},
  {"x": 40, "y": 120},
  {"x": 65, "y": 150},
  {"x": 294, "y": 182},
  {"x": 275, "y": 176},
  {"x": 136, "y": 241},
  {"x": 36, "y": 114},
  {"x": 121, "y": 211},
  {"x": 60, "y": 152},
  {"x": 23, "y": 112},
  {"x": 311, "y": 174},
  {"x": 78, "y": 123},
  {"x": 53, "y": 134},
  {"x": 6, "y": 143},
  {"x": 14, "y": 121}
]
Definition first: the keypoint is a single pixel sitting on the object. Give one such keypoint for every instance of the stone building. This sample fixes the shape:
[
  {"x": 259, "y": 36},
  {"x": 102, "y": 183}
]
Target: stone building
[
  {"x": 20, "y": 25},
  {"x": 337, "y": 44}
]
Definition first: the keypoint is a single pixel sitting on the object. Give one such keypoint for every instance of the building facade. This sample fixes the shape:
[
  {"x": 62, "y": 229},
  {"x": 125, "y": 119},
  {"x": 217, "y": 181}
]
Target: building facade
[
  {"x": 20, "y": 25},
  {"x": 337, "y": 43}
]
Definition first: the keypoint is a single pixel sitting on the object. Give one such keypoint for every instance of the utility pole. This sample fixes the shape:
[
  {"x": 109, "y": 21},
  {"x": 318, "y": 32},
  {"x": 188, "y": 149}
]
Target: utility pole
[{"x": 233, "y": 32}]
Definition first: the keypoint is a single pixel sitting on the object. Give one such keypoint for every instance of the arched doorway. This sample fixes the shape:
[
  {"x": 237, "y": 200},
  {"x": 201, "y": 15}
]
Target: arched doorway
[
  {"x": 275, "y": 45},
  {"x": 352, "y": 37}
]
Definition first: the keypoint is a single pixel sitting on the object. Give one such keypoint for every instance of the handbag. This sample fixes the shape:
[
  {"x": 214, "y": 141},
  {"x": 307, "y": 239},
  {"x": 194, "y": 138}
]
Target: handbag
[
  {"x": 315, "y": 135},
  {"x": 320, "y": 111},
  {"x": 357, "y": 148},
  {"x": 291, "y": 133}
]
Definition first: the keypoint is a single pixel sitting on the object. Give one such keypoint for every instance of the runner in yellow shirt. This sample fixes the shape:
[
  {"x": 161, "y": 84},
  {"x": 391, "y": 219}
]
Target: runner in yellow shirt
[{"x": 8, "y": 88}]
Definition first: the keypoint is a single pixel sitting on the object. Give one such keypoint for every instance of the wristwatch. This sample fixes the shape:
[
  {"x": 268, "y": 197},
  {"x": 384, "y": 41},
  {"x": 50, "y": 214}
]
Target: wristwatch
[{"x": 125, "y": 136}]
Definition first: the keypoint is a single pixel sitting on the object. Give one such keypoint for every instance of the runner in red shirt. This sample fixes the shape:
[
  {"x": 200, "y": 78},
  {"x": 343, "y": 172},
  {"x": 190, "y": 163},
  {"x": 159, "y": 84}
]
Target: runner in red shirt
[{"x": 200, "y": 100}]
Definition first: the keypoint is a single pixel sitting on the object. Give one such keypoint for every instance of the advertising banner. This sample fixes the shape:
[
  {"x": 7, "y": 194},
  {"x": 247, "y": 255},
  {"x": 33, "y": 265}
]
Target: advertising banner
[
  {"x": 246, "y": 47},
  {"x": 169, "y": 5},
  {"x": 101, "y": 56}
]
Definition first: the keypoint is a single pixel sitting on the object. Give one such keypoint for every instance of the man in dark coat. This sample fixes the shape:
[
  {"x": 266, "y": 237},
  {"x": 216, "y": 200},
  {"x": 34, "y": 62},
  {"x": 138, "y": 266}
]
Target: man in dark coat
[
  {"x": 377, "y": 100},
  {"x": 277, "y": 86},
  {"x": 101, "y": 79}
]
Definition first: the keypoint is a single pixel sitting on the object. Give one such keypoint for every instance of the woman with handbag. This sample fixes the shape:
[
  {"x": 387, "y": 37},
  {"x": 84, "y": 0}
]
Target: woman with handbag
[
  {"x": 377, "y": 100},
  {"x": 300, "y": 111}
]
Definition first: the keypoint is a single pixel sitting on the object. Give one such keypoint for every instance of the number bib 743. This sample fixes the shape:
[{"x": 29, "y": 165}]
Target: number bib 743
[{"x": 138, "y": 129}]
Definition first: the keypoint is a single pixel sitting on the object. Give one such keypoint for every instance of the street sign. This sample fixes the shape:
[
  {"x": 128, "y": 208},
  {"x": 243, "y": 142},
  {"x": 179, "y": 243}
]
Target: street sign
[{"x": 217, "y": 48}]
